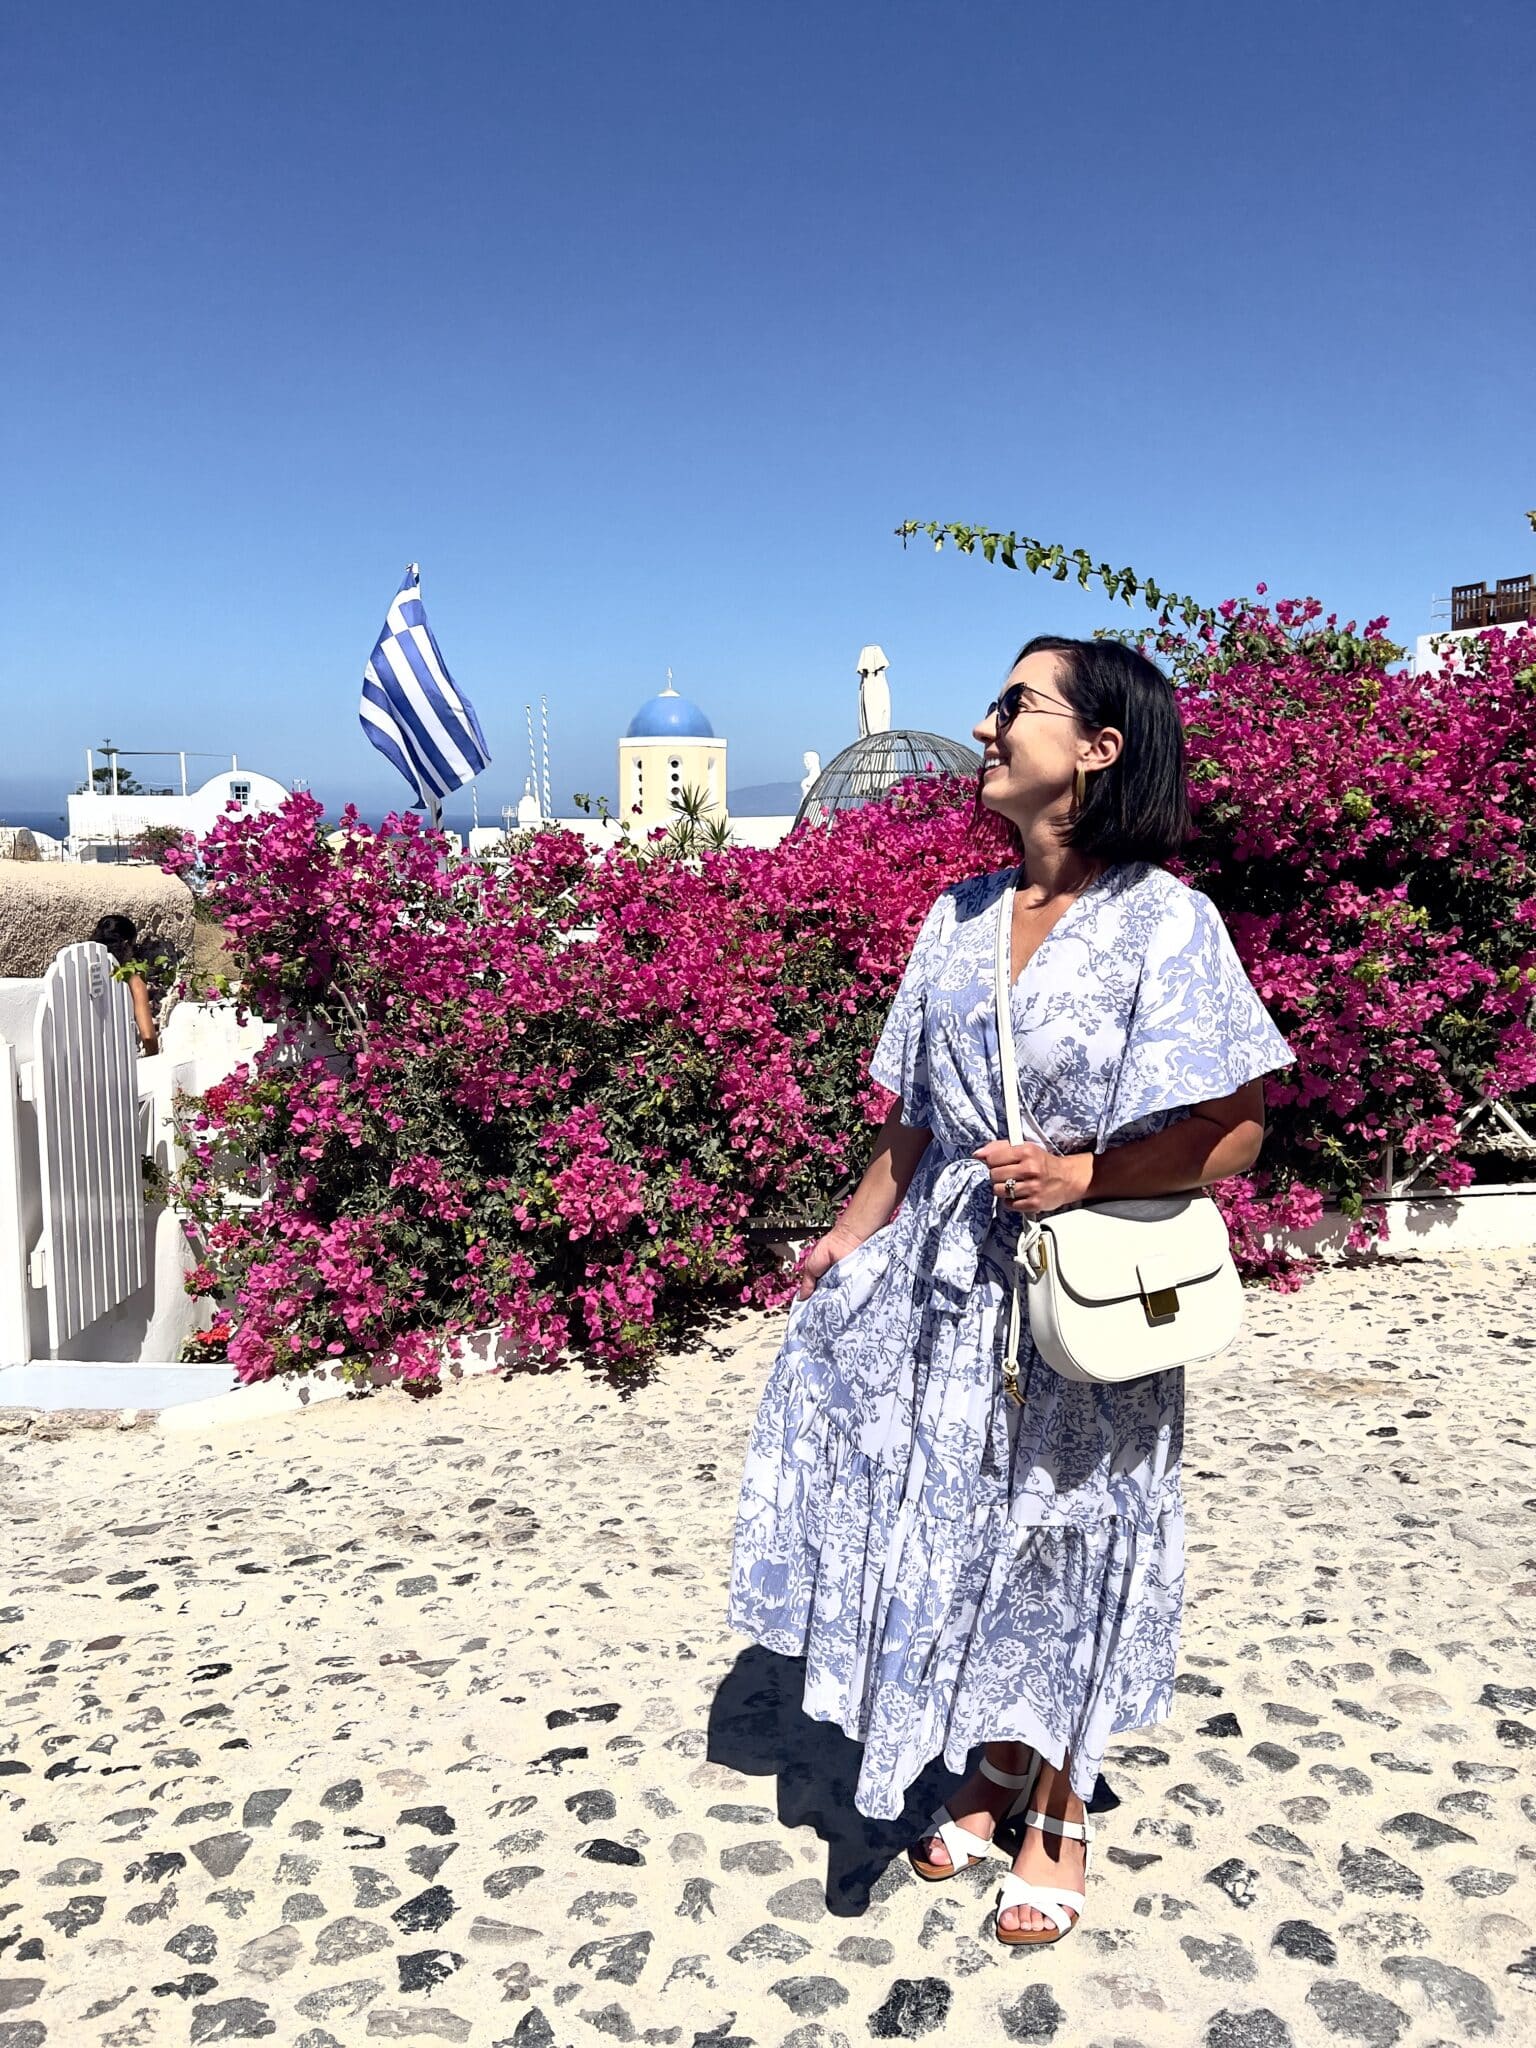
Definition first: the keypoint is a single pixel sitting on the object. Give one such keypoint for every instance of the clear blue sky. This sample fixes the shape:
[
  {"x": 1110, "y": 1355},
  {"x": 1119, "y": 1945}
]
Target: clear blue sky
[{"x": 640, "y": 327}]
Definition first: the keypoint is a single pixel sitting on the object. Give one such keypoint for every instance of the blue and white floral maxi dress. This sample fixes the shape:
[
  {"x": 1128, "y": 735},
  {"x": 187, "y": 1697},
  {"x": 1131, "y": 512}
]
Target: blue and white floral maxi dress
[{"x": 956, "y": 1569}]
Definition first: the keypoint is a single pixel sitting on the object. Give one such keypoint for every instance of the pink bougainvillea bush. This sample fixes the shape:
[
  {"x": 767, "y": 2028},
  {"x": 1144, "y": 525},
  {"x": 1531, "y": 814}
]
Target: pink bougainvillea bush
[
  {"x": 1370, "y": 836},
  {"x": 554, "y": 1090},
  {"x": 563, "y": 1094}
]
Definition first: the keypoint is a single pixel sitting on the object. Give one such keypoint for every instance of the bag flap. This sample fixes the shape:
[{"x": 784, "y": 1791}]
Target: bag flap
[
  {"x": 1114, "y": 1251},
  {"x": 1169, "y": 1270}
]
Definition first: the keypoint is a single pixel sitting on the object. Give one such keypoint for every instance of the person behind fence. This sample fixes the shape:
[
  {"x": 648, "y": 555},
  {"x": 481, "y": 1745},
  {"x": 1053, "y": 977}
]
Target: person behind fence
[
  {"x": 960, "y": 1569},
  {"x": 120, "y": 936}
]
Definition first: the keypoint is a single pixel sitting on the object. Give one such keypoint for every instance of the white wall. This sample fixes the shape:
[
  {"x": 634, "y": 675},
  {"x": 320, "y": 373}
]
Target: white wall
[
  {"x": 1430, "y": 650},
  {"x": 761, "y": 832}
]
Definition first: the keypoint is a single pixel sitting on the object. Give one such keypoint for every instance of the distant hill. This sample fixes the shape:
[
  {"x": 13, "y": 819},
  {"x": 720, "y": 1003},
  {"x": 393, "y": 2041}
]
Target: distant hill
[{"x": 764, "y": 800}]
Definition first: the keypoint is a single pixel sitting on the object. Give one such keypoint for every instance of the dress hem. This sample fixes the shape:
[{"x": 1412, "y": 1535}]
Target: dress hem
[{"x": 1028, "y": 1729}]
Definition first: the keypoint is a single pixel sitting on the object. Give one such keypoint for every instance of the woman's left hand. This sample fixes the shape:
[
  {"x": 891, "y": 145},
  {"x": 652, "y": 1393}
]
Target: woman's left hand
[{"x": 1029, "y": 1181}]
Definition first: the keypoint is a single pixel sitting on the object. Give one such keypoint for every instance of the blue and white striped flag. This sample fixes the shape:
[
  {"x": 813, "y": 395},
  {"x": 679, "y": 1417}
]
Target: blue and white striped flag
[{"x": 410, "y": 708}]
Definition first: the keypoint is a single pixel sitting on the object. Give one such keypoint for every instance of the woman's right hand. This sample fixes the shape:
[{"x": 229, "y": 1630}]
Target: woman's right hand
[{"x": 824, "y": 1255}]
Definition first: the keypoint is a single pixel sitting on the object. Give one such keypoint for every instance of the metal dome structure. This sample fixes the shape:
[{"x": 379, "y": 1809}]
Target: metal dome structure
[{"x": 874, "y": 765}]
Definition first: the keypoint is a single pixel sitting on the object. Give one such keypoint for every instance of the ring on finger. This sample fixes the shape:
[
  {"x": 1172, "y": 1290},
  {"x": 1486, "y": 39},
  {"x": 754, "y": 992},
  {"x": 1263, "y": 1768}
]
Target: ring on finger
[{"x": 1011, "y": 1189}]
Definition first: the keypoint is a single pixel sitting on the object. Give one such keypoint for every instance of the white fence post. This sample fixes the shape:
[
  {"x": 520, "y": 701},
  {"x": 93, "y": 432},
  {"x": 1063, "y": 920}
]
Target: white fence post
[
  {"x": 85, "y": 1087},
  {"x": 15, "y": 1334}
]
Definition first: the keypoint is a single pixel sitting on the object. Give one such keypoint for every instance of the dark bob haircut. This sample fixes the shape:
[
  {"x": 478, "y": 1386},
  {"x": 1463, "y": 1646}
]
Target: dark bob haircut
[
  {"x": 1138, "y": 808},
  {"x": 119, "y": 935}
]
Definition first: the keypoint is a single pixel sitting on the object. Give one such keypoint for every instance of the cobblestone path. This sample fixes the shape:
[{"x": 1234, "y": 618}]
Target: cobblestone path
[{"x": 398, "y": 1721}]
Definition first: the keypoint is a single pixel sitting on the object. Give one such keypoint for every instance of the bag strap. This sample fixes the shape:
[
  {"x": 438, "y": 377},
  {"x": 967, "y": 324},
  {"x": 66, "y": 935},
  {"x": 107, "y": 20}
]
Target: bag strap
[
  {"x": 1014, "y": 1113},
  {"x": 1003, "y": 990},
  {"x": 1013, "y": 1116}
]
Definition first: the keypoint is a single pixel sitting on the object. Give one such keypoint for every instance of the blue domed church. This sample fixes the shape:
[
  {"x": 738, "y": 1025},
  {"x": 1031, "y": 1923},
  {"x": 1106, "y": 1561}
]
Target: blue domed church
[{"x": 669, "y": 747}]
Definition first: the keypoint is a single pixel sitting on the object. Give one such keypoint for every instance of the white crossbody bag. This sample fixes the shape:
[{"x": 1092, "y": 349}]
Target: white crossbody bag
[{"x": 1116, "y": 1290}]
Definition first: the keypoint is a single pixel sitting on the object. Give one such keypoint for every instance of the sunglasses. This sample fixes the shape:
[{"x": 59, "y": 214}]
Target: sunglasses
[{"x": 1020, "y": 697}]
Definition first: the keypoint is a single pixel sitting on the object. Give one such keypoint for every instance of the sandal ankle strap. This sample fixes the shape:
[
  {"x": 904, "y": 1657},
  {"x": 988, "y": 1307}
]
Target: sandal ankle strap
[
  {"x": 1073, "y": 1830},
  {"x": 1006, "y": 1778}
]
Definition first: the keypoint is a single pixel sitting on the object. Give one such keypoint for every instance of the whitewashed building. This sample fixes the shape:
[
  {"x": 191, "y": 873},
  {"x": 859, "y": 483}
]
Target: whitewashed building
[{"x": 106, "y": 825}]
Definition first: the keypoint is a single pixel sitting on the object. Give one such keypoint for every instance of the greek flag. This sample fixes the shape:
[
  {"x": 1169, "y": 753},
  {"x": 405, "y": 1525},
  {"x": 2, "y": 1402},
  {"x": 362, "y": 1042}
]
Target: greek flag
[{"x": 410, "y": 708}]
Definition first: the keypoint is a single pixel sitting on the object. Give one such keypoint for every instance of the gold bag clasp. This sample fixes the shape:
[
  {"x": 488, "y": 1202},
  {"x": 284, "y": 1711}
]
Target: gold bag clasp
[{"x": 1161, "y": 1305}]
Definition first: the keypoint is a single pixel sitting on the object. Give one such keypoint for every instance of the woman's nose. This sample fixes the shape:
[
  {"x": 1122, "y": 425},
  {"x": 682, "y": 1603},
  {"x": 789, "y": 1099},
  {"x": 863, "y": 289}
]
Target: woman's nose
[{"x": 985, "y": 729}]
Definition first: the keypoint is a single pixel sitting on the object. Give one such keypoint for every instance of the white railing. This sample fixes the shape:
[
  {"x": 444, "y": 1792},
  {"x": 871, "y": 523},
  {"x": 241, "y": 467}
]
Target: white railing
[
  {"x": 1502, "y": 1134},
  {"x": 15, "y": 1323}
]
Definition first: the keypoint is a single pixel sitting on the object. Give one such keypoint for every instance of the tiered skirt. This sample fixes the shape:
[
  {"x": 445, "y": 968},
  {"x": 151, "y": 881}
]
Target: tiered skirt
[{"x": 953, "y": 1569}]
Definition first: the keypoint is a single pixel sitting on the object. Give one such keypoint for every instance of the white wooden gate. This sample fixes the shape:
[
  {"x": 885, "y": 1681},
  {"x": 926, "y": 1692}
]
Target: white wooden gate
[{"x": 83, "y": 1082}]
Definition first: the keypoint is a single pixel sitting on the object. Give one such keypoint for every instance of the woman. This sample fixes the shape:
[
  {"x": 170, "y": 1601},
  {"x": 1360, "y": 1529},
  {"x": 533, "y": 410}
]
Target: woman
[
  {"x": 120, "y": 936},
  {"x": 955, "y": 1568}
]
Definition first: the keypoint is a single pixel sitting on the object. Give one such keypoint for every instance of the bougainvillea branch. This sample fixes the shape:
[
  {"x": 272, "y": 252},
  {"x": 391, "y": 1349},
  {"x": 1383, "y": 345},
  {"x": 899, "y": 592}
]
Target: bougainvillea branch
[{"x": 1050, "y": 558}]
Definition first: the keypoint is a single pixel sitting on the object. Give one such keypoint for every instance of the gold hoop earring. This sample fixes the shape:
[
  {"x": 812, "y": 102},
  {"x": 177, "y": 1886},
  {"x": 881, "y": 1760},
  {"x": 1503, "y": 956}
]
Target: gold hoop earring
[{"x": 1080, "y": 786}]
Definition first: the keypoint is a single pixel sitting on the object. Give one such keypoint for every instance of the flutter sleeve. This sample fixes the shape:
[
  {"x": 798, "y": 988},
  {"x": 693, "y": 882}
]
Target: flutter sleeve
[
  {"x": 1198, "y": 1029},
  {"x": 900, "y": 1060}
]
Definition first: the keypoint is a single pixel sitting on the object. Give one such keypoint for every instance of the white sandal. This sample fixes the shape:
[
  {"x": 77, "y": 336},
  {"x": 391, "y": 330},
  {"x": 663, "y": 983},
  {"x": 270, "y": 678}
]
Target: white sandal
[
  {"x": 966, "y": 1848},
  {"x": 1062, "y": 1908}
]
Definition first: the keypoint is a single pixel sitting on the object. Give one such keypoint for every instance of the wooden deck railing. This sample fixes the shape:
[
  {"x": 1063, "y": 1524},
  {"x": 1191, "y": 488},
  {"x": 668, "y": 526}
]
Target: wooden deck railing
[{"x": 1511, "y": 602}]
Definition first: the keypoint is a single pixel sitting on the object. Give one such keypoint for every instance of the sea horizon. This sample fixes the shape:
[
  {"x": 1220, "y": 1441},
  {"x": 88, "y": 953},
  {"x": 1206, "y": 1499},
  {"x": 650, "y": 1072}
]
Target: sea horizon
[{"x": 755, "y": 801}]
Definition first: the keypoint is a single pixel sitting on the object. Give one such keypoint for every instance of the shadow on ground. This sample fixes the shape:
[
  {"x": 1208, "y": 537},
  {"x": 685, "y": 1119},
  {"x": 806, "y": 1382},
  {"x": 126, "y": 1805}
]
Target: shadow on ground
[{"x": 757, "y": 1727}]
